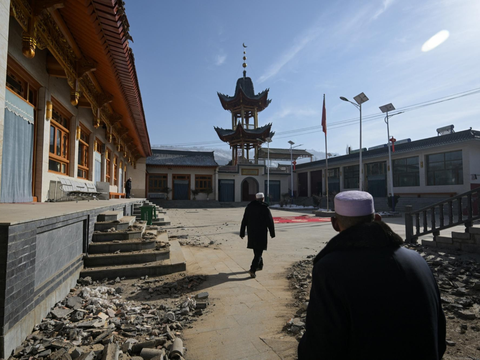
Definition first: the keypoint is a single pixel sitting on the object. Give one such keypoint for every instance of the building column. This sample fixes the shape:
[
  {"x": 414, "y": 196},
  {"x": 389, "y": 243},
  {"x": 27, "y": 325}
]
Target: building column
[
  {"x": 309, "y": 185},
  {"x": 42, "y": 146},
  {"x": 4, "y": 26}
]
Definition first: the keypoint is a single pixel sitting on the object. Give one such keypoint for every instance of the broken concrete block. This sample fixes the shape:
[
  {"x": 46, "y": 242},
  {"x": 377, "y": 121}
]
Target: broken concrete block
[
  {"x": 60, "y": 313},
  {"x": 76, "y": 353},
  {"x": 87, "y": 356},
  {"x": 111, "y": 352},
  {"x": 148, "y": 354},
  {"x": 75, "y": 302},
  {"x": 61, "y": 354},
  {"x": 202, "y": 295}
]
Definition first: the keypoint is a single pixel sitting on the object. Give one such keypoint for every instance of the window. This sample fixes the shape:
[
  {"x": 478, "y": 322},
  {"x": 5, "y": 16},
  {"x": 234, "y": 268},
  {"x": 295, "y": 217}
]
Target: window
[
  {"x": 59, "y": 140},
  {"x": 83, "y": 145},
  {"x": 376, "y": 169},
  {"x": 406, "y": 172},
  {"x": 20, "y": 85},
  {"x": 333, "y": 181},
  {"x": 157, "y": 183},
  {"x": 350, "y": 177},
  {"x": 203, "y": 182},
  {"x": 108, "y": 155},
  {"x": 445, "y": 168}
]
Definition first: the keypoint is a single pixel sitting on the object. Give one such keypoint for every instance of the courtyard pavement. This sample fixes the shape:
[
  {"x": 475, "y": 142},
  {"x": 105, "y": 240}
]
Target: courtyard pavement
[{"x": 246, "y": 315}]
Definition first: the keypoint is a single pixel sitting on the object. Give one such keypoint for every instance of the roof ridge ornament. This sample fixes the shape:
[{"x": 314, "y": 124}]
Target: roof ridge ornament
[{"x": 244, "y": 59}]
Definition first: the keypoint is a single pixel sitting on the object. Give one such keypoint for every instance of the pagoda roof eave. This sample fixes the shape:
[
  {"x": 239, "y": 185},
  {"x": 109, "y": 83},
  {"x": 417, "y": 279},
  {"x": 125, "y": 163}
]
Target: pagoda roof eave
[{"x": 244, "y": 135}]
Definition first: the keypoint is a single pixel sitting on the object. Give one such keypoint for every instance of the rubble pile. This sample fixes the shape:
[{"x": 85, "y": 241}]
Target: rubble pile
[
  {"x": 458, "y": 277},
  {"x": 95, "y": 322},
  {"x": 194, "y": 240}
]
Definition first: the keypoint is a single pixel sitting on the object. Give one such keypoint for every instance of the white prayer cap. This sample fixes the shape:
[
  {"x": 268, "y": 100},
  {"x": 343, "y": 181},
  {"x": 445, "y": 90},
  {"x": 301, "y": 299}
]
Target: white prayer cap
[
  {"x": 354, "y": 203},
  {"x": 259, "y": 196}
]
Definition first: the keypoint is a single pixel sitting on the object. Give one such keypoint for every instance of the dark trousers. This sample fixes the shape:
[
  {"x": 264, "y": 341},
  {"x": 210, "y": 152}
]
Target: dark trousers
[
  {"x": 127, "y": 193},
  {"x": 257, "y": 262}
]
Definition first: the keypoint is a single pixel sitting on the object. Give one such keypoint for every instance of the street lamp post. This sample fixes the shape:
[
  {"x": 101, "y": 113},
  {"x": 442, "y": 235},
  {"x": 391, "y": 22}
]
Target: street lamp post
[
  {"x": 360, "y": 99},
  {"x": 386, "y": 109},
  {"x": 291, "y": 167},
  {"x": 291, "y": 163}
]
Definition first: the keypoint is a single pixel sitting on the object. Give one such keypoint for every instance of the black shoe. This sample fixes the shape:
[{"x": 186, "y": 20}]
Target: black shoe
[{"x": 252, "y": 274}]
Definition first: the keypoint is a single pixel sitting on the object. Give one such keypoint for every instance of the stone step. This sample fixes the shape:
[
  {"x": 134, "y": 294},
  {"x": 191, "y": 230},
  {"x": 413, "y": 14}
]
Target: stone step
[
  {"x": 176, "y": 263},
  {"x": 122, "y": 246},
  {"x": 162, "y": 222},
  {"x": 474, "y": 230},
  {"x": 110, "y": 216},
  {"x": 121, "y": 224},
  {"x": 460, "y": 235},
  {"x": 129, "y": 258},
  {"x": 99, "y": 236}
]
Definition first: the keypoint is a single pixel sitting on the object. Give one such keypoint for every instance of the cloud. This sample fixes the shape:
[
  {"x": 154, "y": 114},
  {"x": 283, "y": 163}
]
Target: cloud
[
  {"x": 220, "y": 59},
  {"x": 435, "y": 40},
  {"x": 290, "y": 54},
  {"x": 386, "y": 4},
  {"x": 296, "y": 111}
]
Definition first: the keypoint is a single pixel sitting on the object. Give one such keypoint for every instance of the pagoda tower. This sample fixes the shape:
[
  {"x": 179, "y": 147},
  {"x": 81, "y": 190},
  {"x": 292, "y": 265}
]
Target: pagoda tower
[{"x": 244, "y": 106}]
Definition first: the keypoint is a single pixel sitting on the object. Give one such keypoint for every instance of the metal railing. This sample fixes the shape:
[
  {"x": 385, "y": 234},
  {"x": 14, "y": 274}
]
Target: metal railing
[{"x": 457, "y": 210}]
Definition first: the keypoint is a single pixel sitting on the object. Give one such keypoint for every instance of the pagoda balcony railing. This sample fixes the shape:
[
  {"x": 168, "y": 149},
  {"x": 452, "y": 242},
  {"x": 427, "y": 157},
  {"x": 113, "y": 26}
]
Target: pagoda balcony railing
[{"x": 228, "y": 168}]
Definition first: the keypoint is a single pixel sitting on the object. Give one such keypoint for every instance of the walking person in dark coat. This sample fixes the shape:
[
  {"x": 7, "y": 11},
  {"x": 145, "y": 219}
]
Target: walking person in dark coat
[
  {"x": 258, "y": 220},
  {"x": 128, "y": 187},
  {"x": 371, "y": 298}
]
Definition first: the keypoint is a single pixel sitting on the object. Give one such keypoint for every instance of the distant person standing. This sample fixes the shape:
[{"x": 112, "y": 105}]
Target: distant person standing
[
  {"x": 371, "y": 298},
  {"x": 258, "y": 220},
  {"x": 128, "y": 187}
]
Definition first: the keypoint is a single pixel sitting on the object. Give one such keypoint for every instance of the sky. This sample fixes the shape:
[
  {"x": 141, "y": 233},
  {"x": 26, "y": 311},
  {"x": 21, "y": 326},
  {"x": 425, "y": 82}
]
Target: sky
[{"x": 420, "y": 55}]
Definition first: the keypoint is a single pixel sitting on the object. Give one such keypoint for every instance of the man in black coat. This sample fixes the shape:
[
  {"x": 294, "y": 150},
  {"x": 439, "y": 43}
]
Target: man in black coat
[
  {"x": 370, "y": 297},
  {"x": 257, "y": 219},
  {"x": 128, "y": 187}
]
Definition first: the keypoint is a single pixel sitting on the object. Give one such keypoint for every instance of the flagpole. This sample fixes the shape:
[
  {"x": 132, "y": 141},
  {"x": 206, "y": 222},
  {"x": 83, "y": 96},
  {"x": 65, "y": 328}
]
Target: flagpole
[{"x": 324, "y": 126}]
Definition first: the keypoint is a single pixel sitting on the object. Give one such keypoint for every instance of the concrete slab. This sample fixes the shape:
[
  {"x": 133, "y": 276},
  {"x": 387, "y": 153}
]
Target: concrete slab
[{"x": 13, "y": 214}]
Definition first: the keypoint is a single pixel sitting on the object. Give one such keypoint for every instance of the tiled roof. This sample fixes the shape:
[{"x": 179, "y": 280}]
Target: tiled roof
[
  {"x": 282, "y": 154},
  {"x": 240, "y": 129},
  {"x": 244, "y": 84},
  {"x": 245, "y": 94},
  {"x": 100, "y": 29},
  {"x": 182, "y": 158},
  {"x": 416, "y": 145}
]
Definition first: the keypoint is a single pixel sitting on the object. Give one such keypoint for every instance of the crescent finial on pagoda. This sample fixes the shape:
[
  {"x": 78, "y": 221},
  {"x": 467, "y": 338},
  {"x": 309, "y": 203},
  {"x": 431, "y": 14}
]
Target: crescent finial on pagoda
[{"x": 244, "y": 59}]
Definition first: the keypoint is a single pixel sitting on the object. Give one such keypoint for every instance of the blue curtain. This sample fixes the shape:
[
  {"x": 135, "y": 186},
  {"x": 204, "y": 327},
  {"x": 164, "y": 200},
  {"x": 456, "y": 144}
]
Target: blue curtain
[{"x": 17, "y": 155}]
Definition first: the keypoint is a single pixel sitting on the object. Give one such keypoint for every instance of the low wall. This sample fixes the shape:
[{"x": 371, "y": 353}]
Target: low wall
[{"x": 40, "y": 261}]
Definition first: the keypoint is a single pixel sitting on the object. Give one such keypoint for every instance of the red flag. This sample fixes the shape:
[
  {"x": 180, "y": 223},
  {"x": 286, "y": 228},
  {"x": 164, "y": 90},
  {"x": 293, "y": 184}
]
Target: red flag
[{"x": 324, "y": 117}]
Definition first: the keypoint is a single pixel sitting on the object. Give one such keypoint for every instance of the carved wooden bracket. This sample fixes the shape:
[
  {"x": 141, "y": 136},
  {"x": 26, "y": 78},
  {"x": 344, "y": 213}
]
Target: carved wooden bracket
[
  {"x": 114, "y": 118},
  {"x": 39, "y": 5},
  {"x": 103, "y": 99},
  {"x": 84, "y": 66}
]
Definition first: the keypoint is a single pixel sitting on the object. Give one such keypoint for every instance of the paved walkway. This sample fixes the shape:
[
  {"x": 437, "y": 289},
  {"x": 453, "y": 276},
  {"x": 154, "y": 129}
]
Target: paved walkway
[{"x": 246, "y": 315}]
